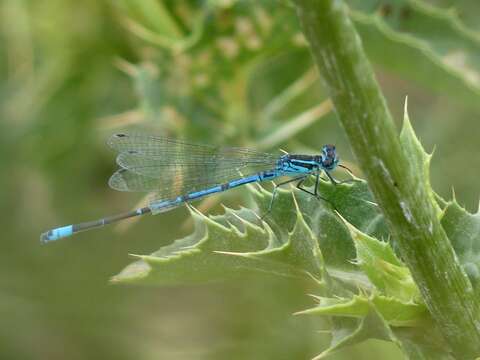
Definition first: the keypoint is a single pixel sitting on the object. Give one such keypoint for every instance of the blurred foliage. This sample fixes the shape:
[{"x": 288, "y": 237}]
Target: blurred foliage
[{"x": 225, "y": 72}]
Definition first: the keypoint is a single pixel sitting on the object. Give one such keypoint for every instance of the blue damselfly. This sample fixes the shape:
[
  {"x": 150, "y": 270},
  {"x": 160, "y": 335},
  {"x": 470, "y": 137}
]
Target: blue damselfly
[{"x": 178, "y": 172}]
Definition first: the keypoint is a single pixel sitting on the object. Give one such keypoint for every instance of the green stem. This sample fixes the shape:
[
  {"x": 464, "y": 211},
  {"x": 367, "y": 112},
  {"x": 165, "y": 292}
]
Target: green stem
[{"x": 362, "y": 110}]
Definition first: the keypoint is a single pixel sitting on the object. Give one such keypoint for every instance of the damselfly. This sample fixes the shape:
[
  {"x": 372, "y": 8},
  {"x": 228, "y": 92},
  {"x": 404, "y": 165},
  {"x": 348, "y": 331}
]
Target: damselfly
[{"x": 178, "y": 172}]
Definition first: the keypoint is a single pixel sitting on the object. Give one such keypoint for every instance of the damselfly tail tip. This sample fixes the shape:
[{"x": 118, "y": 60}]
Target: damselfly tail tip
[
  {"x": 56, "y": 234},
  {"x": 46, "y": 237}
]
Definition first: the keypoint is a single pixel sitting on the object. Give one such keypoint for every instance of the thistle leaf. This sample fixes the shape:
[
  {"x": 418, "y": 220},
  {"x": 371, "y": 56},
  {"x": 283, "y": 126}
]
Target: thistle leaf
[
  {"x": 463, "y": 230},
  {"x": 419, "y": 161},
  {"x": 407, "y": 32}
]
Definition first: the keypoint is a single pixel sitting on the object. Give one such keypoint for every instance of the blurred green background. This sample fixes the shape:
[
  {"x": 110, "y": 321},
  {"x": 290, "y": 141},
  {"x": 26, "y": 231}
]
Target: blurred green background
[{"x": 222, "y": 72}]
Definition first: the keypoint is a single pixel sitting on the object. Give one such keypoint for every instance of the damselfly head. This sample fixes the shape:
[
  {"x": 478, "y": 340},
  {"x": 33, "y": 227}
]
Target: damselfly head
[{"x": 329, "y": 157}]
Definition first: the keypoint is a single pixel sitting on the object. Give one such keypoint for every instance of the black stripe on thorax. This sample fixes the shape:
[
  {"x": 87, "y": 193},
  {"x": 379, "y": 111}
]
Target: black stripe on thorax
[{"x": 302, "y": 157}]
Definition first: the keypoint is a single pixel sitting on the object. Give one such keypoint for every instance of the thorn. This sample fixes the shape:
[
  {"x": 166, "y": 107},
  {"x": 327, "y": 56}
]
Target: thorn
[
  {"x": 454, "y": 198},
  {"x": 371, "y": 203},
  {"x": 230, "y": 253},
  {"x": 303, "y": 312},
  {"x": 297, "y": 207},
  {"x": 315, "y": 297}
]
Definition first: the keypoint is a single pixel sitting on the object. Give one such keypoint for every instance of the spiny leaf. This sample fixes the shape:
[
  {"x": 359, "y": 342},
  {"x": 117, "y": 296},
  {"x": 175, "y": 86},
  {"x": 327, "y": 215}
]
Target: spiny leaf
[
  {"x": 422, "y": 344},
  {"x": 395, "y": 312},
  {"x": 372, "y": 325},
  {"x": 288, "y": 243},
  {"x": 463, "y": 230},
  {"x": 419, "y": 162},
  {"x": 353, "y": 201},
  {"x": 193, "y": 258},
  {"x": 384, "y": 269},
  {"x": 407, "y": 32},
  {"x": 299, "y": 254},
  {"x": 408, "y": 325}
]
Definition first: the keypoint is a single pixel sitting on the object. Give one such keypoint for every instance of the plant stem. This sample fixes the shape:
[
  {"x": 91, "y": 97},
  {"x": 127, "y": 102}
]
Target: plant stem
[{"x": 406, "y": 204}]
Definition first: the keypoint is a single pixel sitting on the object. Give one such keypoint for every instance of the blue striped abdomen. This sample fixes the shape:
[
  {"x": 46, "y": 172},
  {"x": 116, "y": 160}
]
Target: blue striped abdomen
[{"x": 166, "y": 205}]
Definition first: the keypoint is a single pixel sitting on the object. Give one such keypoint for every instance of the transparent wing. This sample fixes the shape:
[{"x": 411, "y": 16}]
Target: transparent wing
[
  {"x": 162, "y": 147},
  {"x": 172, "y": 168}
]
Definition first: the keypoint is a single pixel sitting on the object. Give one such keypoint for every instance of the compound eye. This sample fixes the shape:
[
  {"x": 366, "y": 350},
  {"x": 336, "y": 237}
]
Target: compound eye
[{"x": 329, "y": 149}]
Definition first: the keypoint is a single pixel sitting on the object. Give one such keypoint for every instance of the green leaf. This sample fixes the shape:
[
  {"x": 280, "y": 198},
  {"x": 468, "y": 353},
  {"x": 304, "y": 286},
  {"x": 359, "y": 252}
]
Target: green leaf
[
  {"x": 348, "y": 333},
  {"x": 353, "y": 201},
  {"x": 395, "y": 312},
  {"x": 463, "y": 230},
  {"x": 287, "y": 243},
  {"x": 389, "y": 275},
  {"x": 359, "y": 318},
  {"x": 193, "y": 259},
  {"x": 418, "y": 162},
  {"x": 444, "y": 51},
  {"x": 303, "y": 238},
  {"x": 364, "y": 286},
  {"x": 299, "y": 254}
]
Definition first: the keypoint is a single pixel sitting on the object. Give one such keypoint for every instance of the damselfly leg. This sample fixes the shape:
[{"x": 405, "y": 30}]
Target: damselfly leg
[
  {"x": 315, "y": 189},
  {"x": 337, "y": 182},
  {"x": 301, "y": 180},
  {"x": 274, "y": 192}
]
